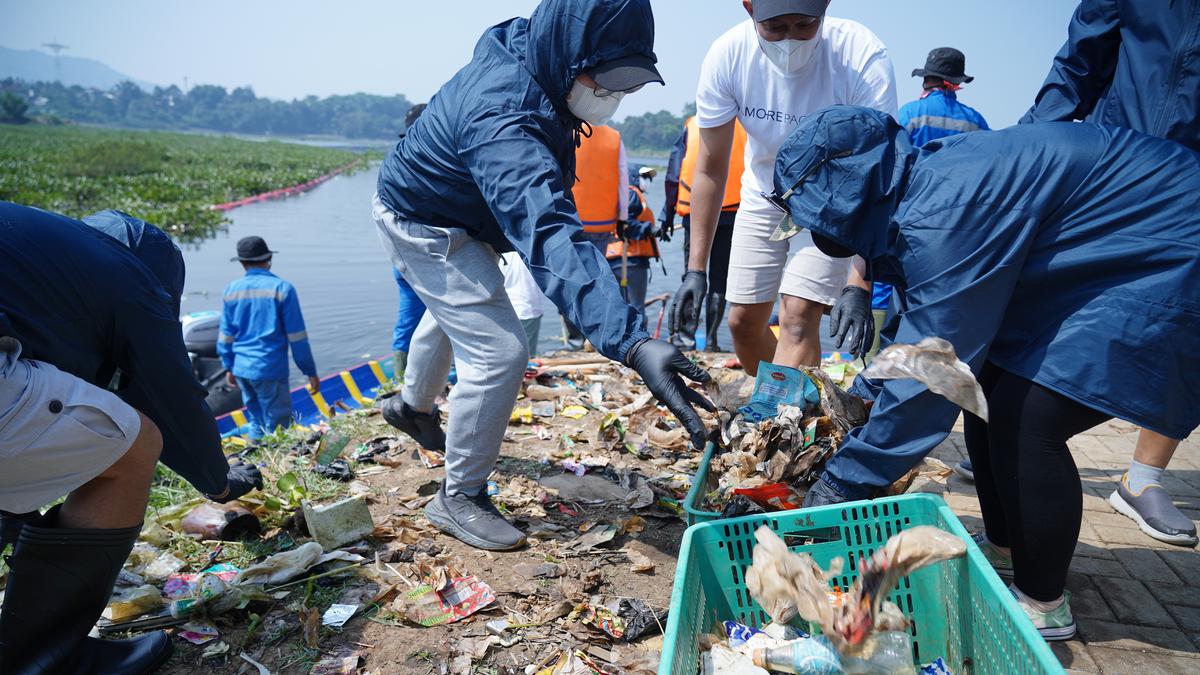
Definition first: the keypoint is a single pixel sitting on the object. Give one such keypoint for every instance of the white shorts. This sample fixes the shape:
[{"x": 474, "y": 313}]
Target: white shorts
[
  {"x": 58, "y": 431},
  {"x": 761, "y": 269}
]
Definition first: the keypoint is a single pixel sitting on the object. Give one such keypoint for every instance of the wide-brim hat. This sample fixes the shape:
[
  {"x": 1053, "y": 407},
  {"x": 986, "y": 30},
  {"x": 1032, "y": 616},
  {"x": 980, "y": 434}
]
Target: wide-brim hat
[
  {"x": 253, "y": 249},
  {"x": 947, "y": 63}
]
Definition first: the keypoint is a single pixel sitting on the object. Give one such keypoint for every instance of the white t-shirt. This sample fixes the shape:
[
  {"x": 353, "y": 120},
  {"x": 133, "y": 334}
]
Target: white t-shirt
[
  {"x": 850, "y": 67},
  {"x": 523, "y": 291}
]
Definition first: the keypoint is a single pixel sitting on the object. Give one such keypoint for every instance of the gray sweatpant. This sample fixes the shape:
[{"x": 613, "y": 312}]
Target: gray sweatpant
[{"x": 469, "y": 320}]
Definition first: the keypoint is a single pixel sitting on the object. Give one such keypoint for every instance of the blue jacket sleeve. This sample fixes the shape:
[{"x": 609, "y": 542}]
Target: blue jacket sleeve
[
  {"x": 162, "y": 387},
  {"x": 225, "y": 339},
  {"x": 958, "y": 296},
  {"x": 671, "y": 181},
  {"x": 1084, "y": 66},
  {"x": 297, "y": 336},
  {"x": 509, "y": 156}
]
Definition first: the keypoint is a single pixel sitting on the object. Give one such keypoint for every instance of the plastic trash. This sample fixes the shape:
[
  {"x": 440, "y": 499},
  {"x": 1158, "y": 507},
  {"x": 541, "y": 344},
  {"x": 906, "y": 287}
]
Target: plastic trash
[
  {"x": 462, "y": 597},
  {"x": 224, "y": 522},
  {"x": 931, "y": 362},
  {"x": 339, "y": 523},
  {"x": 806, "y": 656},
  {"x": 886, "y": 653}
]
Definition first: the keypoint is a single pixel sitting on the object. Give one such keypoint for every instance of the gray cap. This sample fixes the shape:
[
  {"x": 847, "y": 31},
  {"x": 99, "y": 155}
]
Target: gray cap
[{"x": 769, "y": 9}]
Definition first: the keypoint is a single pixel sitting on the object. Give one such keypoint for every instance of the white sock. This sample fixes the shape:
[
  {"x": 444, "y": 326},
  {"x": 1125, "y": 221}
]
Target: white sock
[
  {"x": 1141, "y": 476},
  {"x": 1037, "y": 605}
]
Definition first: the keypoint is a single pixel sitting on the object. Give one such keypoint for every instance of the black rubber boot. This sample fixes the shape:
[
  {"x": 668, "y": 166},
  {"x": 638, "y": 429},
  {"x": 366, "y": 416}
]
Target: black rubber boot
[
  {"x": 60, "y": 580},
  {"x": 713, "y": 313}
]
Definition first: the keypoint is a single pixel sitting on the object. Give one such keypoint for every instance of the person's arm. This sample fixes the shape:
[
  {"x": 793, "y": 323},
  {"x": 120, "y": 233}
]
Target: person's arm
[
  {"x": 1083, "y": 68},
  {"x": 961, "y": 298},
  {"x": 161, "y": 386},
  {"x": 297, "y": 336},
  {"x": 708, "y": 190},
  {"x": 521, "y": 180}
]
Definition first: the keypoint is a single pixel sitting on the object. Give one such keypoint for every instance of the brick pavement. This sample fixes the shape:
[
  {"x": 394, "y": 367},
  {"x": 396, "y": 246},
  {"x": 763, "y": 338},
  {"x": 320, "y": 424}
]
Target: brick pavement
[{"x": 1136, "y": 600}]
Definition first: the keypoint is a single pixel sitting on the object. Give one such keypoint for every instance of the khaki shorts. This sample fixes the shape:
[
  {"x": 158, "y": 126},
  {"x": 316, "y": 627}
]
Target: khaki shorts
[
  {"x": 57, "y": 432},
  {"x": 761, "y": 269}
]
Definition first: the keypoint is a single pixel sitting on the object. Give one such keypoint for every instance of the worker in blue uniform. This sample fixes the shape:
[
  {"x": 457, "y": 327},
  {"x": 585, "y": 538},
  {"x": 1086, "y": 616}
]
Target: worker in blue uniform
[
  {"x": 260, "y": 320},
  {"x": 939, "y": 113},
  {"x": 95, "y": 383},
  {"x": 1134, "y": 65},
  {"x": 488, "y": 169},
  {"x": 1058, "y": 259}
]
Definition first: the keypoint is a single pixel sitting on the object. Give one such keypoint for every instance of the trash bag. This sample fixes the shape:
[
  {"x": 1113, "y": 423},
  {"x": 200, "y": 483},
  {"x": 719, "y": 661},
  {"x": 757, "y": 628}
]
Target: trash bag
[{"x": 931, "y": 362}]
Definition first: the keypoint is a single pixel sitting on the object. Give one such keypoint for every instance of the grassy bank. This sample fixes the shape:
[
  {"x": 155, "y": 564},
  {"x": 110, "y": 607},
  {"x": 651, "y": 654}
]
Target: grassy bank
[{"x": 168, "y": 179}]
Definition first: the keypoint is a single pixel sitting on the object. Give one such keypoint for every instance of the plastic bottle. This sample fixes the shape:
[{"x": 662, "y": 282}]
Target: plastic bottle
[
  {"x": 806, "y": 656},
  {"x": 884, "y": 653}
]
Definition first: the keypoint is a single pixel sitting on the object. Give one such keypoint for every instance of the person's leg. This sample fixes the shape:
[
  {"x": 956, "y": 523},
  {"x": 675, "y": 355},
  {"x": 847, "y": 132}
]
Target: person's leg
[
  {"x": 408, "y": 315},
  {"x": 753, "y": 340},
  {"x": 1036, "y": 479},
  {"x": 975, "y": 433},
  {"x": 429, "y": 360},
  {"x": 756, "y": 269},
  {"x": 684, "y": 338},
  {"x": 276, "y": 400},
  {"x": 799, "y": 332},
  {"x": 1141, "y": 496},
  {"x": 533, "y": 328},
  {"x": 718, "y": 277},
  {"x": 639, "y": 281},
  {"x": 255, "y": 419}
]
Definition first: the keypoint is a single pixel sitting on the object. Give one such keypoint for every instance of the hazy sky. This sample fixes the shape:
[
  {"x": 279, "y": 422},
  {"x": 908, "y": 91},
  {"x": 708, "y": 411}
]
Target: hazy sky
[{"x": 291, "y": 48}]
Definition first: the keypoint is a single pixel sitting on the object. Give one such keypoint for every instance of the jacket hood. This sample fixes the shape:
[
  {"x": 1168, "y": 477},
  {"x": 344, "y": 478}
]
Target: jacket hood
[
  {"x": 151, "y": 245},
  {"x": 567, "y": 37},
  {"x": 857, "y": 162}
]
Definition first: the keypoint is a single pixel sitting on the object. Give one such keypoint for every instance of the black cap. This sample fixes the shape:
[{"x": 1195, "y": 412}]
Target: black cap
[
  {"x": 769, "y": 9},
  {"x": 625, "y": 73},
  {"x": 252, "y": 249},
  {"x": 947, "y": 63}
]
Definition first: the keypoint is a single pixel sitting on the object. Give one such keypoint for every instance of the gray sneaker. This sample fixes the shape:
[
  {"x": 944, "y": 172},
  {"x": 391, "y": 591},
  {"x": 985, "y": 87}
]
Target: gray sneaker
[
  {"x": 965, "y": 470},
  {"x": 473, "y": 520},
  {"x": 1154, "y": 513},
  {"x": 424, "y": 428}
]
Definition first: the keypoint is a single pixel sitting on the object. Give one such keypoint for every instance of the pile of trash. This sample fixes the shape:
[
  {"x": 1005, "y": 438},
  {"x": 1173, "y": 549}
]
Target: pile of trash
[
  {"x": 778, "y": 430},
  {"x": 860, "y": 631}
]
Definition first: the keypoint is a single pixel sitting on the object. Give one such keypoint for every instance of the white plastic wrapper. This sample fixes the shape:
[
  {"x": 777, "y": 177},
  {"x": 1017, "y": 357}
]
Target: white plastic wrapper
[{"x": 931, "y": 362}]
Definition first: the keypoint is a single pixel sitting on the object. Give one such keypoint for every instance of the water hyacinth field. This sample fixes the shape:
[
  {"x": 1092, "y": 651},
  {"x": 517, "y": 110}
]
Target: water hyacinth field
[{"x": 169, "y": 179}]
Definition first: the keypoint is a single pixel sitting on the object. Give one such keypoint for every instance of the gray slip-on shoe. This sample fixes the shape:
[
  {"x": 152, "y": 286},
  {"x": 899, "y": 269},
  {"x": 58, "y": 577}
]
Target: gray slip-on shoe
[
  {"x": 1154, "y": 513},
  {"x": 474, "y": 521},
  {"x": 424, "y": 428},
  {"x": 965, "y": 470}
]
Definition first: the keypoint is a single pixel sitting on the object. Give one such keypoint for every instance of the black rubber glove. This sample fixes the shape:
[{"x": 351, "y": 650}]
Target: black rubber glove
[
  {"x": 851, "y": 322},
  {"x": 621, "y": 227},
  {"x": 665, "y": 230},
  {"x": 822, "y": 494},
  {"x": 243, "y": 477},
  {"x": 685, "y": 306},
  {"x": 660, "y": 364}
]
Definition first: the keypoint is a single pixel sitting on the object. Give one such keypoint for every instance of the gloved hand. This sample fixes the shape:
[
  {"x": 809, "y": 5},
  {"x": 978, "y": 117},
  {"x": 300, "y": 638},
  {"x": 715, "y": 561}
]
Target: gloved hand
[
  {"x": 660, "y": 364},
  {"x": 851, "y": 322},
  {"x": 822, "y": 494},
  {"x": 622, "y": 225},
  {"x": 665, "y": 230},
  {"x": 243, "y": 477},
  {"x": 685, "y": 306}
]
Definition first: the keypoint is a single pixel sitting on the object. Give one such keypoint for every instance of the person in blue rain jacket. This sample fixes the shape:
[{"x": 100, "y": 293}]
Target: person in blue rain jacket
[
  {"x": 1062, "y": 262},
  {"x": 1134, "y": 65},
  {"x": 260, "y": 320},
  {"x": 488, "y": 168}
]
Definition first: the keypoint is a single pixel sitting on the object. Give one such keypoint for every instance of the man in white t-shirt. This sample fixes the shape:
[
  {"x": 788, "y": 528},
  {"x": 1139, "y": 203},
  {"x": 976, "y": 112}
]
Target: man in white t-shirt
[{"x": 787, "y": 61}]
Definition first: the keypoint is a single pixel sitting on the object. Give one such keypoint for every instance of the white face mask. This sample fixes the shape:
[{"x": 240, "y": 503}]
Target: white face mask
[
  {"x": 789, "y": 56},
  {"x": 587, "y": 106},
  {"x": 644, "y": 184}
]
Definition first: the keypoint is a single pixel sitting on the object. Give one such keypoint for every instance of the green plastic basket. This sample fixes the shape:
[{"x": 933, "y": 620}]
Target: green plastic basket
[
  {"x": 960, "y": 610},
  {"x": 695, "y": 495}
]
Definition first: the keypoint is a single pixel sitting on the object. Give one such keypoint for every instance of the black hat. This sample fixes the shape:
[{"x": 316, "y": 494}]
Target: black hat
[
  {"x": 625, "y": 73},
  {"x": 252, "y": 249},
  {"x": 947, "y": 63},
  {"x": 769, "y": 9}
]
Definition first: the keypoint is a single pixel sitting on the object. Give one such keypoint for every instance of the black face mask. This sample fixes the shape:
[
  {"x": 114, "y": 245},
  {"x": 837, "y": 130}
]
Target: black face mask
[{"x": 831, "y": 248}]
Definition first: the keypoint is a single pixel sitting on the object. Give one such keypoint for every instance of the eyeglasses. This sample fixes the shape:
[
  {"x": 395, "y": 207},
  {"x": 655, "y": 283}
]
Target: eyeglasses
[
  {"x": 780, "y": 201},
  {"x": 601, "y": 92}
]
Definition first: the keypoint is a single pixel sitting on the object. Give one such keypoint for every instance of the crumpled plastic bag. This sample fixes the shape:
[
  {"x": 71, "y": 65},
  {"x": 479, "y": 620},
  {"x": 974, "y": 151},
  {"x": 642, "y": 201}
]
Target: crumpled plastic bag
[
  {"x": 931, "y": 362},
  {"x": 283, "y": 566},
  {"x": 788, "y": 584}
]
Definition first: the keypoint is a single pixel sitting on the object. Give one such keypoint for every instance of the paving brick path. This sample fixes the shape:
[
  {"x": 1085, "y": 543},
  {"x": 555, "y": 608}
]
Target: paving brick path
[{"x": 1137, "y": 600}]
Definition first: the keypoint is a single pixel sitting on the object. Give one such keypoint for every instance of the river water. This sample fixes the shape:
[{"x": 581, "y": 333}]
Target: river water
[{"x": 330, "y": 251}]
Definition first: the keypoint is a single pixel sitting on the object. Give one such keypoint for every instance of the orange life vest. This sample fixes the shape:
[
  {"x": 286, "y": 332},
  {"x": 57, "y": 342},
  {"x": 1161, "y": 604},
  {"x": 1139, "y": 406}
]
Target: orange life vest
[
  {"x": 597, "y": 185},
  {"x": 737, "y": 164},
  {"x": 642, "y": 248}
]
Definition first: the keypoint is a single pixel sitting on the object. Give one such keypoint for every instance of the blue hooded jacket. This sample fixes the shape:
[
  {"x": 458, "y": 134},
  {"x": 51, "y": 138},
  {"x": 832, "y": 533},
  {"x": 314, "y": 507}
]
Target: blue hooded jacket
[
  {"x": 1128, "y": 64},
  {"x": 90, "y": 304},
  {"x": 1067, "y": 254},
  {"x": 494, "y": 154},
  {"x": 151, "y": 245}
]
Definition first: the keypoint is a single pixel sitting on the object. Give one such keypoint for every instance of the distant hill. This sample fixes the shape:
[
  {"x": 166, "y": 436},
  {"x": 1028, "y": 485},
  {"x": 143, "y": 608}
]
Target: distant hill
[{"x": 32, "y": 65}]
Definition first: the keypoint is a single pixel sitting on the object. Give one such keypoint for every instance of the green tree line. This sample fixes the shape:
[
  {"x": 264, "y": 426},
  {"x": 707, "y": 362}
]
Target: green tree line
[{"x": 653, "y": 132}]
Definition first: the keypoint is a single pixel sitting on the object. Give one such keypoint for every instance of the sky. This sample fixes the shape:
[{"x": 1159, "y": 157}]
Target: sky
[{"x": 293, "y": 48}]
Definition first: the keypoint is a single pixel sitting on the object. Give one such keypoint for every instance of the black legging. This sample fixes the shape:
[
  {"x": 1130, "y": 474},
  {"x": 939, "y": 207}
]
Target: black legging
[{"x": 1029, "y": 489}]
